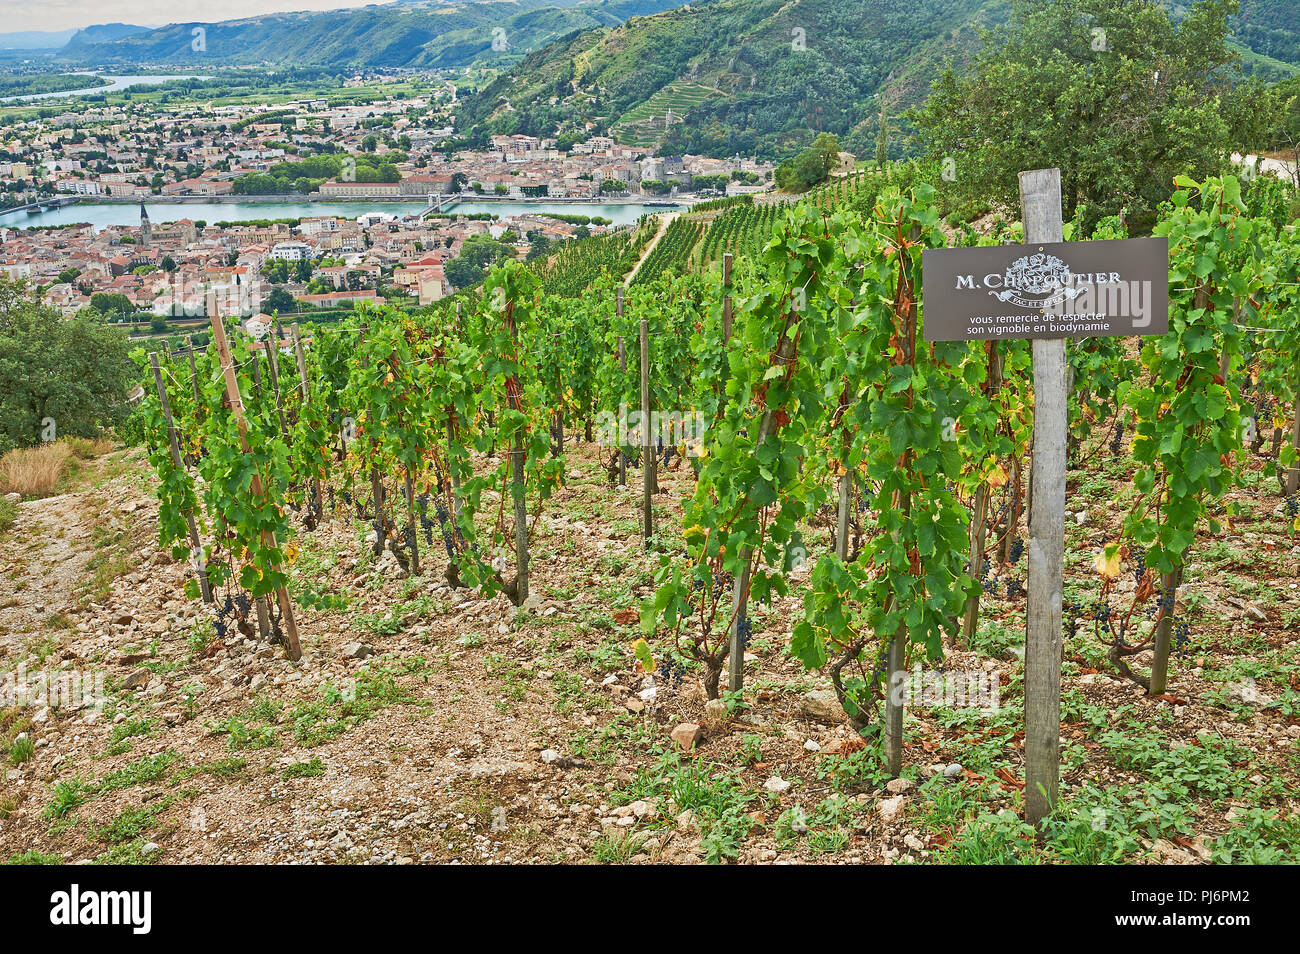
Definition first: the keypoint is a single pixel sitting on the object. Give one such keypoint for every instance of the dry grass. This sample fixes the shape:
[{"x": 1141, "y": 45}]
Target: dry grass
[
  {"x": 36, "y": 471},
  {"x": 85, "y": 448}
]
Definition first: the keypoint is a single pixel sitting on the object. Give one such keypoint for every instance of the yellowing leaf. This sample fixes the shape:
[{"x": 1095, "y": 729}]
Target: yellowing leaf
[
  {"x": 1108, "y": 565},
  {"x": 641, "y": 650}
]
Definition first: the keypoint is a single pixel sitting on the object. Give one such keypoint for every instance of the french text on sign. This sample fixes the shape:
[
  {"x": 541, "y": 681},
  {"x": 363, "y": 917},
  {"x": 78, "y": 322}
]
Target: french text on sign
[{"x": 1053, "y": 290}]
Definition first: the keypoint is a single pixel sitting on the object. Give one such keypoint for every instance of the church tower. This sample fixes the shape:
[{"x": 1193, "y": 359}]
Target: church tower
[{"x": 146, "y": 229}]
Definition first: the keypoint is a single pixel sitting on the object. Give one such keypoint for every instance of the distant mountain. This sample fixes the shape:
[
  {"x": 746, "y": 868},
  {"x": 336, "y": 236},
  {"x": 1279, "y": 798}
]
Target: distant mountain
[
  {"x": 103, "y": 33},
  {"x": 1269, "y": 32},
  {"x": 35, "y": 39},
  {"x": 422, "y": 33}
]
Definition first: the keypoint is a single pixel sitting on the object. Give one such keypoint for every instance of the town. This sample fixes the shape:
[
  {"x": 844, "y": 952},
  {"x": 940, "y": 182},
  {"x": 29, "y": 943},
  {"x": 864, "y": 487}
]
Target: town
[{"x": 387, "y": 165}]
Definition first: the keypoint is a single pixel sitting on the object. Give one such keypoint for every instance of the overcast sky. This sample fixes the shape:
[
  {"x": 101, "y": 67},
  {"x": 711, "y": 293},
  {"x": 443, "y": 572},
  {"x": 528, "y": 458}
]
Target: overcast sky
[{"x": 19, "y": 15}]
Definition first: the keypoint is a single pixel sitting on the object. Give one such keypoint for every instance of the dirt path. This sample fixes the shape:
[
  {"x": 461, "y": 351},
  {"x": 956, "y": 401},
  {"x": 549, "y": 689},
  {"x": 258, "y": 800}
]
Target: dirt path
[{"x": 664, "y": 222}]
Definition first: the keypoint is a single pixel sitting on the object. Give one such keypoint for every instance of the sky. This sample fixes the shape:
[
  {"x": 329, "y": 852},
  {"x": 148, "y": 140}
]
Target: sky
[{"x": 21, "y": 15}]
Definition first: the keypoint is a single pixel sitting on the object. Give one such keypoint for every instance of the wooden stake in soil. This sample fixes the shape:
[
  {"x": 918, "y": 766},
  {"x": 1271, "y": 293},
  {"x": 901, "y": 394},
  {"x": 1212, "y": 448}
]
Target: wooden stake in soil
[
  {"x": 979, "y": 519},
  {"x": 1040, "y": 198},
  {"x": 376, "y": 485},
  {"x": 1293, "y": 476},
  {"x": 518, "y": 460},
  {"x": 740, "y": 599},
  {"x": 292, "y": 648},
  {"x": 648, "y": 450},
  {"x": 622, "y": 365},
  {"x": 726, "y": 299},
  {"x": 196, "y": 545},
  {"x": 194, "y": 381}
]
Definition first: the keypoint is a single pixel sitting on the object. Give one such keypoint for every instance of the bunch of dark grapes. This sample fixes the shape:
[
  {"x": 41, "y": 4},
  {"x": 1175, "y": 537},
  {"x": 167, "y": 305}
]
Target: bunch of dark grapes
[
  {"x": 670, "y": 673},
  {"x": 1117, "y": 439},
  {"x": 744, "y": 629},
  {"x": 1182, "y": 635},
  {"x": 408, "y": 537},
  {"x": 1139, "y": 555},
  {"x": 1017, "y": 550},
  {"x": 724, "y": 579},
  {"x": 426, "y": 524},
  {"x": 1293, "y": 506},
  {"x": 1101, "y": 613},
  {"x": 882, "y": 664},
  {"x": 986, "y": 585},
  {"x": 1014, "y": 588},
  {"x": 1166, "y": 602},
  {"x": 1070, "y": 619}
]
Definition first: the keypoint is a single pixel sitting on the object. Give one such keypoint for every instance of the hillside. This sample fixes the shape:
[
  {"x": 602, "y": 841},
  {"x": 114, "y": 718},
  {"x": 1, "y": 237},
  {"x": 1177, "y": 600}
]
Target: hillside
[
  {"x": 422, "y": 34},
  {"x": 763, "y": 76},
  {"x": 738, "y": 75}
]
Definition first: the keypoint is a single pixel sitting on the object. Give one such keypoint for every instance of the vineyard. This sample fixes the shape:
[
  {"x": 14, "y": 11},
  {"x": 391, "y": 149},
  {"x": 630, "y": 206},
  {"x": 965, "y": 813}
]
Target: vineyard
[{"x": 635, "y": 567}]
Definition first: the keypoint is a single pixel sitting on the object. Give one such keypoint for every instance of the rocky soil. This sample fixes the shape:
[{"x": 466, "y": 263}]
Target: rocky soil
[{"x": 429, "y": 725}]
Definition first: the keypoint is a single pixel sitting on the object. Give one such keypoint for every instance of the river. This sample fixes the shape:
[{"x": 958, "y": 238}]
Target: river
[
  {"x": 117, "y": 83},
  {"x": 103, "y": 214}
]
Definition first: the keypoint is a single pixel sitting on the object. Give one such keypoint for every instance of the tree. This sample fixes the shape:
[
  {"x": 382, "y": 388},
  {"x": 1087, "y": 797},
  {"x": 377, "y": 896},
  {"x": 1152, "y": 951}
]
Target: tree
[
  {"x": 811, "y": 166},
  {"x": 278, "y": 301},
  {"x": 1115, "y": 93},
  {"x": 75, "y": 371},
  {"x": 112, "y": 305},
  {"x": 477, "y": 254}
]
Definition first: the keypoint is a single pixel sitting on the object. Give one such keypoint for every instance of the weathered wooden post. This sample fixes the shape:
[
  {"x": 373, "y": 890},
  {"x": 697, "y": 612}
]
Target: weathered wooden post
[
  {"x": 196, "y": 545},
  {"x": 1040, "y": 199},
  {"x": 376, "y": 485},
  {"x": 293, "y": 649},
  {"x": 648, "y": 458},
  {"x": 979, "y": 519},
  {"x": 726, "y": 298},
  {"x": 622, "y": 364}
]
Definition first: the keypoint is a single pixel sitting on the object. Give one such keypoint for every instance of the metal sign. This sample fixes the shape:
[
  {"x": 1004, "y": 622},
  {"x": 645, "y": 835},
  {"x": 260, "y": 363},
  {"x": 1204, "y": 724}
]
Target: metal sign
[{"x": 1052, "y": 290}]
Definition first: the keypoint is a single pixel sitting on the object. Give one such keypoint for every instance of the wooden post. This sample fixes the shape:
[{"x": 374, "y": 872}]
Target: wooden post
[
  {"x": 1163, "y": 638},
  {"x": 410, "y": 525},
  {"x": 1292, "y": 484},
  {"x": 726, "y": 298},
  {"x": 196, "y": 545},
  {"x": 895, "y": 704},
  {"x": 896, "y": 653},
  {"x": 304, "y": 392},
  {"x": 1040, "y": 198},
  {"x": 647, "y": 441},
  {"x": 273, "y": 365},
  {"x": 268, "y": 539},
  {"x": 194, "y": 383},
  {"x": 843, "y": 511},
  {"x": 376, "y": 485},
  {"x": 740, "y": 599},
  {"x": 518, "y": 460},
  {"x": 257, "y": 373},
  {"x": 623, "y": 365},
  {"x": 979, "y": 519},
  {"x": 302, "y": 361}
]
